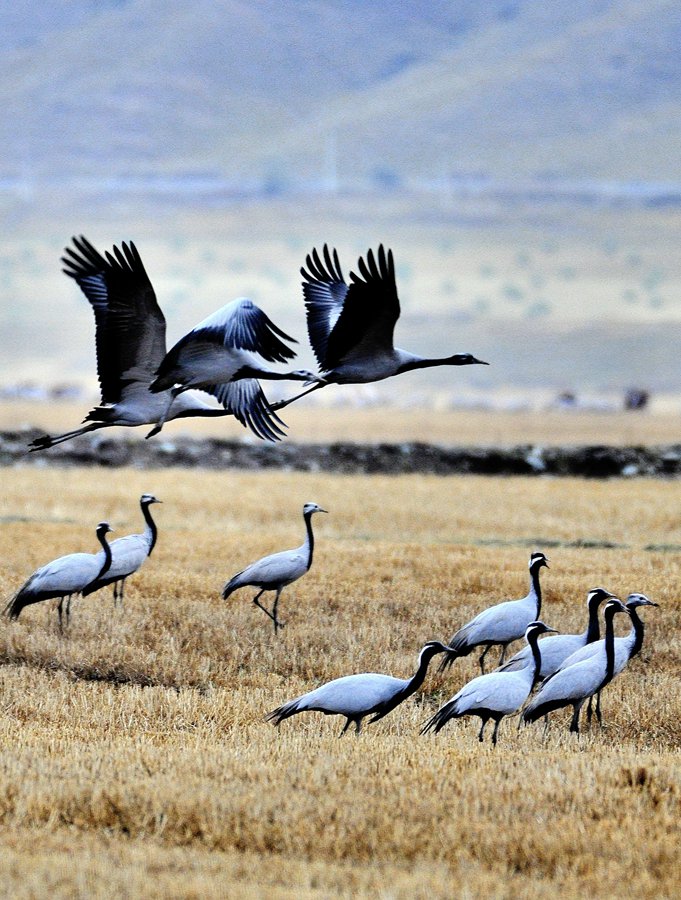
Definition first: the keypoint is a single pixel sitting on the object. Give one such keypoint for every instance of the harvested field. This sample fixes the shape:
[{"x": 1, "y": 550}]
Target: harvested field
[{"x": 135, "y": 757}]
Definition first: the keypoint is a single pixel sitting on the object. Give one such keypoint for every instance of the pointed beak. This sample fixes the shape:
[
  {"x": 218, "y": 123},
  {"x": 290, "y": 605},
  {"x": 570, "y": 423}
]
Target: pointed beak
[
  {"x": 326, "y": 511},
  {"x": 481, "y": 362}
]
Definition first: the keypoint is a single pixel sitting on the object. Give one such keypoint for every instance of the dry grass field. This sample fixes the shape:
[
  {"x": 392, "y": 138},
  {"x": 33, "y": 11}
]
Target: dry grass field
[{"x": 135, "y": 759}]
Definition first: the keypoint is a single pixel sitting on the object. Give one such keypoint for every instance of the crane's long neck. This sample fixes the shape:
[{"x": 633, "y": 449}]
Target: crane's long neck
[
  {"x": 255, "y": 371},
  {"x": 409, "y": 361},
  {"x": 533, "y": 641},
  {"x": 635, "y": 636},
  {"x": 593, "y": 629},
  {"x": 419, "y": 676},
  {"x": 309, "y": 540},
  {"x": 609, "y": 647},
  {"x": 106, "y": 565},
  {"x": 151, "y": 531},
  {"x": 535, "y": 588}
]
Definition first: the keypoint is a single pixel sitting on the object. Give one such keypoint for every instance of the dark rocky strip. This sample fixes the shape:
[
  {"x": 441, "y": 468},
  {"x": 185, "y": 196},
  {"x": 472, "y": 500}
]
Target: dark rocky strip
[{"x": 348, "y": 458}]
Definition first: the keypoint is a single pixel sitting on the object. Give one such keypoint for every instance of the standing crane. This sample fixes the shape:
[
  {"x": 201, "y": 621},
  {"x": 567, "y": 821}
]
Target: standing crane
[
  {"x": 556, "y": 648},
  {"x": 574, "y": 684},
  {"x": 276, "y": 571},
  {"x": 63, "y": 577},
  {"x": 496, "y": 694},
  {"x": 128, "y": 553},
  {"x": 625, "y": 648},
  {"x": 358, "y": 696},
  {"x": 500, "y": 624},
  {"x": 220, "y": 356},
  {"x": 351, "y": 326}
]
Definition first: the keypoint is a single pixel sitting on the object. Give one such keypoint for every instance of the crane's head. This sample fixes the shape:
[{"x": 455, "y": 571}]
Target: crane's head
[
  {"x": 537, "y": 560},
  {"x": 612, "y": 607},
  {"x": 465, "y": 359},
  {"x": 103, "y": 528},
  {"x": 431, "y": 649},
  {"x": 147, "y": 499},
  {"x": 534, "y": 629},
  {"x": 636, "y": 600},
  {"x": 598, "y": 595},
  {"x": 311, "y": 508}
]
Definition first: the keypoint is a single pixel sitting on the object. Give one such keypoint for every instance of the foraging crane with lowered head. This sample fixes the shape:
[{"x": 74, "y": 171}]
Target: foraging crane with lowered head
[{"x": 358, "y": 696}]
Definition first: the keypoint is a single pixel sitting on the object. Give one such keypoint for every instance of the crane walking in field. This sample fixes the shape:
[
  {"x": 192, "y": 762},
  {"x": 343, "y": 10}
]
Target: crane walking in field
[
  {"x": 63, "y": 577},
  {"x": 127, "y": 554},
  {"x": 556, "y": 648},
  {"x": 276, "y": 571},
  {"x": 496, "y": 694},
  {"x": 358, "y": 696},
  {"x": 351, "y": 326},
  {"x": 574, "y": 684},
  {"x": 130, "y": 338},
  {"x": 220, "y": 356},
  {"x": 500, "y": 624}
]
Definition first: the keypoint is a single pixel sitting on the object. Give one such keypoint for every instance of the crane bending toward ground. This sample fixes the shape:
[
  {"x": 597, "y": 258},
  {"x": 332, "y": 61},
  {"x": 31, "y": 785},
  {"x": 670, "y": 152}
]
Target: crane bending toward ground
[
  {"x": 500, "y": 624},
  {"x": 351, "y": 326},
  {"x": 625, "y": 648},
  {"x": 556, "y": 648},
  {"x": 127, "y": 554},
  {"x": 63, "y": 577},
  {"x": 276, "y": 571},
  {"x": 358, "y": 696},
  {"x": 574, "y": 684},
  {"x": 496, "y": 694},
  {"x": 220, "y": 356}
]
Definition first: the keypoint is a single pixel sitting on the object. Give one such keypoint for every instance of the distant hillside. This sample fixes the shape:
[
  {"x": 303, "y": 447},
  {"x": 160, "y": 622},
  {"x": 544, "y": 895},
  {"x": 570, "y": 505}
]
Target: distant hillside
[{"x": 334, "y": 94}]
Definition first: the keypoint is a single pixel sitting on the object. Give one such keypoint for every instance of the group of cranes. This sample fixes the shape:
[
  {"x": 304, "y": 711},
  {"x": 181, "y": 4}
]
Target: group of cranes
[
  {"x": 84, "y": 573},
  {"x": 350, "y": 329},
  {"x": 574, "y": 668}
]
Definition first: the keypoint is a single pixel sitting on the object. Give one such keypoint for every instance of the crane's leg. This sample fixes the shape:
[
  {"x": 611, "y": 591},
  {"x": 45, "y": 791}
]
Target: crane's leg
[
  {"x": 282, "y": 403},
  {"x": 482, "y": 658},
  {"x": 598, "y": 709},
  {"x": 494, "y": 733},
  {"x": 504, "y": 647},
  {"x": 68, "y": 610},
  {"x": 166, "y": 412},
  {"x": 257, "y": 602},
  {"x": 59, "y": 613},
  {"x": 345, "y": 727},
  {"x": 589, "y": 710},
  {"x": 358, "y": 726},
  {"x": 546, "y": 724},
  {"x": 577, "y": 708},
  {"x": 121, "y": 590},
  {"x": 277, "y": 622},
  {"x": 482, "y": 729}
]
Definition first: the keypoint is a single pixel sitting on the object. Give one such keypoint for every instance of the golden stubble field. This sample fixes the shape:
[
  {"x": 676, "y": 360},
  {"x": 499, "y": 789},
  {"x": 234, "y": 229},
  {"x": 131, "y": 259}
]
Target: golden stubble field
[{"x": 135, "y": 760}]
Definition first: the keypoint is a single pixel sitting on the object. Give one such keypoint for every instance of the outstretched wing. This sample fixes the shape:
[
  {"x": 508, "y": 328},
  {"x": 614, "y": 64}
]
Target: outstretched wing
[
  {"x": 243, "y": 325},
  {"x": 245, "y": 400},
  {"x": 130, "y": 327},
  {"x": 324, "y": 291},
  {"x": 370, "y": 310}
]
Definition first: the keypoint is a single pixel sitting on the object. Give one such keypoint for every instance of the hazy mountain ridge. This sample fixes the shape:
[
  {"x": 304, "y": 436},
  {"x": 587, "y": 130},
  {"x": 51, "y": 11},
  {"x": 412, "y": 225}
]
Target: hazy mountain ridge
[{"x": 342, "y": 93}]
